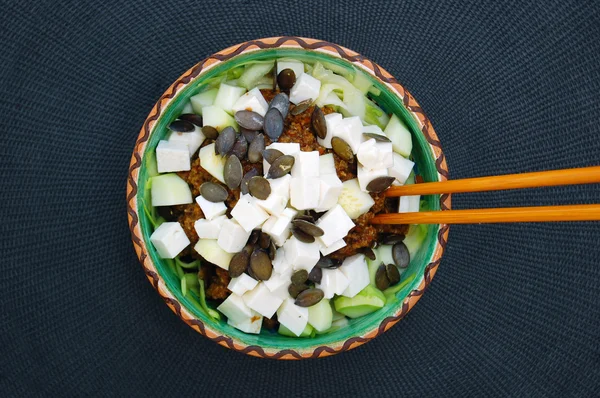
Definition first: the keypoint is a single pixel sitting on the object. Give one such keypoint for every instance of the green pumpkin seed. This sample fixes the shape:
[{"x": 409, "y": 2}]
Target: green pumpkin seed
[
  {"x": 257, "y": 146},
  {"x": 317, "y": 122},
  {"x": 281, "y": 102},
  {"x": 315, "y": 275},
  {"x": 196, "y": 120},
  {"x": 308, "y": 227},
  {"x": 299, "y": 277},
  {"x": 281, "y": 166},
  {"x": 244, "y": 184},
  {"x": 249, "y": 120},
  {"x": 302, "y": 236},
  {"x": 324, "y": 262},
  {"x": 273, "y": 126},
  {"x": 232, "y": 172},
  {"x": 261, "y": 266},
  {"x": 254, "y": 235},
  {"x": 301, "y": 107},
  {"x": 295, "y": 290},
  {"x": 392, "y": 273},
  {"x": 368, "y": 252},
  {"x": 272, "y": 250},
  {"x": 213, "y": 192},
  {"x": 225, "y": 141},
  {"x": 249, "y": 135},
  {"x": 240, "y": 148},
  {"x": 264, "y": 240},
  {"x": 259, "y": 187},
  {"x": 342, "y": 149},
  {"x": 309, "y": 297},
  {"x": 380, "y": 184},
  {"x": 210, "y": 132},
  {"x": 238, "y": 264},
  {"x": 377, "y": 137},
  {"x": 286, "y": 79},
  {"x": 390, "y": 239},
  {"x": 401, "y": 255},
  {"x": 270, "y": 155},
  {"x": 181, "y": 126},
  {"x": 382, "y": 281}
]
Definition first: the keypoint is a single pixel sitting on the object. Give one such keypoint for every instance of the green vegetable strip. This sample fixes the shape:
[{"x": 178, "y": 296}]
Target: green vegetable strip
[
  {"x": 192, "y": 265},
  {"x": 390, "y": 292}
]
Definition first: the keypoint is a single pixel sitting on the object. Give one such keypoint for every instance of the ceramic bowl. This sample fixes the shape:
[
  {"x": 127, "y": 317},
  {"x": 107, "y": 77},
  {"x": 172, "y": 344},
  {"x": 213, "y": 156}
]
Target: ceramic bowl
[{"x": 428, "y": 155}]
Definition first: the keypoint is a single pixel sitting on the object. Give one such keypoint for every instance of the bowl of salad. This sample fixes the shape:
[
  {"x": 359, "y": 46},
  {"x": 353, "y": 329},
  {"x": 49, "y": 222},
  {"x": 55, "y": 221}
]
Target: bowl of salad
[{"x": 251, "y": 189}]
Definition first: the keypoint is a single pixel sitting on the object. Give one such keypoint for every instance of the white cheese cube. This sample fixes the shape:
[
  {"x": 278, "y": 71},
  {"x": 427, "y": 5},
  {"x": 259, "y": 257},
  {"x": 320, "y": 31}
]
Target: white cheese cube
[
  {"x": 234, "y": 308},
  {"x": 306, "y": 87},
  {"x": 233, "y": 236},
  {"x": 331, "y": 121},
  {"x": 242, "y": 284},
  {"x": 205, "y": 98},
  {"x": 357, "y": 272},
  {"x": 335, "y": 224},
  {"x": 329, "y": 191},
  {"x": 373, "y": 128},
  {"x": 209, "y": 229},
  {"x": 337, "y": 245},
  {"x": 301, "y": 255},
  {"x": 401, "y": 169},
  {"x": 278, "y": 228},
  {"x": 252, "y": 324},
  {"x": 216, "y": 117},
  {"x": 248, "y": 214},
  {"x": 278, "y": 281},
  {"x": 306, "y": 164},
  {"x": 274, "y": 204},
  {"x": 169, "y": 239},
  {"x": 292, "y": 316},
  {"x": 375, "y": 155},
  {"x": 409, "y": 204},
  {"x": 281, "y": 186},
  {"x": 211, "y": 209},
  {"x": 296, "y": 66},
  {"x": 261, "y": 300},
  {"x": 333, "y": 282},
  {"x": 304, "y": 192},
  {"x": 350, "y": 130},
  {"x": 172, "y": 156},
  {"x": 365, "y": 176},
  {"x": 326, "y": 164},
  {"x": 227, "y": 96},
  {"x": 193, "y": 139},
  {"x": 287, "y": 148},
  {"x": 280, "y": 263},
  {"x": 253, "y": 101},
  {"x": 289, "y": 212}
]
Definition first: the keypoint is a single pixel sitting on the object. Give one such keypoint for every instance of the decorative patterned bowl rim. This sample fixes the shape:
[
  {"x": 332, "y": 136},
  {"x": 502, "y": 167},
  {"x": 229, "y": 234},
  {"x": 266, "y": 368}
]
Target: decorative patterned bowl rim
[{"x": 136, "y": 162}]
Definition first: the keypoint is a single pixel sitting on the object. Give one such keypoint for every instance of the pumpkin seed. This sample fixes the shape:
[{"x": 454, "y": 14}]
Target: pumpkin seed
[
  {"x": 392, "y": 273},
  {"x": 305, "y": 217},
  {"x": 390, "y": 239},
  {"x": 249, "y": 120},
  {"x": 314, "y": 214},
  {"x": 281, "y": 102},
  {"x": 238, "y": 264},
  {"x": 254, "y": 235},
  {"x": 196, "y": 120},
  {"x": 315, "y": 275},
  {"x": 299, "y": 277},
  {"x": 301, "y": 107},
  {"x": 382, "y": 281},
  {"x": 380, "y": 184},
  {"x": 377, "y": 137},
  {"x": 210, "y": 132},
  {"x": 272, "y": 250},
  {"x": 233, "y": 172},
  {"x": 295, "y": 290},
  {"x": 181, "y": 126},
  {"x": 261, "y": 266},
  {"x": 249, "y": 135},
  {"x": 317, "y": 122},
  {"x": 401, "y": 255},
  {"x": 273, "y": 125},
  {"x": 281, "y": 166},
  {"x": 248, "y": 249},
  {"x": 270, "y": 155},
  {"x": 302, "y": 236},
  {"x": 257, "y": 146},
  {"x": 368, "y": 252},
  {"x": 213, "y": 192},
  {"x": 324, "y": 262},
  {"x": 259, "y": 187},
  {"x": 240, "y": 148},
  {"x": 168, "y": 213},
  {"x": 286, "y": 79},
  {"x": 309, "y": 297},
  {"x": 264, "y": 240},
  {"x": 308, "y": 227},
  {"x": 225, "y": 141},
  {"x": 244, "y": 184},
  {"x": 342, "y": 149}
]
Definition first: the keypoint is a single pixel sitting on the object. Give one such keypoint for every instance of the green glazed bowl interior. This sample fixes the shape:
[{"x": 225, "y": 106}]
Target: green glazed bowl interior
[{"x": 412, "y": 277}]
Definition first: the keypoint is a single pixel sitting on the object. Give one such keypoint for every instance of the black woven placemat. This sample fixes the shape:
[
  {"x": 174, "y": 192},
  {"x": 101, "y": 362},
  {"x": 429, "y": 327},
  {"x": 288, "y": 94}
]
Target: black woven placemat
[{"x": 509, "y": 87}]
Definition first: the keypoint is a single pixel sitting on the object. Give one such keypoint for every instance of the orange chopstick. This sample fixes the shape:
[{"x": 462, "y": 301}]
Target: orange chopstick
[{"x": 500, "y": 215}]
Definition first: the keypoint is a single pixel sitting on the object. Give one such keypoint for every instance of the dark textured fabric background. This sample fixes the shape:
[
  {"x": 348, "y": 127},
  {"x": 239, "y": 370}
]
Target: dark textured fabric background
[{"x": 509, "y": 87}]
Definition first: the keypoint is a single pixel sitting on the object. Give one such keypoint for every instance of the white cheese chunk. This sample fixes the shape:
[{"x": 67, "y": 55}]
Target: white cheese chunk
[
  {"x": 326, "y": 164},
  {"x": 233, "y": 236},
  {"x": 331, "y": 121},
  {"x": 304, "y": 192},
  {"x": 281, "y": 186},
  {"x": 350, "y": 130},
  {"x": 278, "y": 228},
  {"x": 296, "y": 66},
  {"x": 306, "y": 87},
  {"x": 172, "y": 156},
  {"x": 356, "y": 271},
  {"x": 337, "y": 245},
  {"x": 280, "y": 263},
  {"x": 401, "y": 169},
  {"x": 253, "y": 101},
  {"x": 169, "y": 239},
  {"x": 273, "y": 205},
  {"x": 329, "y": 191},
  {"x": 301, "y": 255},
  {"x": 335, "y": 224},
  {"x": 375, "y": 155},
  {"x": 365, "y": 176},
  {"x": 234, "y": 308},
  {"x": 409, "y": 204},
  {"x": 209, "y": 229},
  {"x": 227, "y": 96},
  {"x": 261, "y": 300},
  {"x": 306, "y": 164},
  {"x": 251, "y": 325},
  {"x": 211, "y": 209},
  {"x": 292, "y": 316},
  {"x": 193, "y": 139},
  {"x": 242, "y": 284},
  {"x": 278, "y": 281},
  {"x": 287, "y": 148},
  {"x": 248, "y": 214},
  {"x": 333, "y": 281}
]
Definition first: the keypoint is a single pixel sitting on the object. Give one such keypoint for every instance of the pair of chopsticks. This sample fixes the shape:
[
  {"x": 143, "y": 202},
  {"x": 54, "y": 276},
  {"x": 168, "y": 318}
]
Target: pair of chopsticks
[{"x": 586, "y": 175}]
